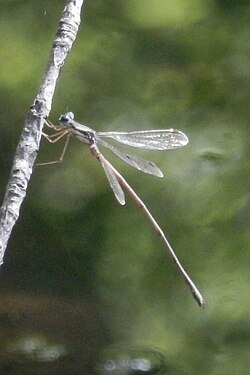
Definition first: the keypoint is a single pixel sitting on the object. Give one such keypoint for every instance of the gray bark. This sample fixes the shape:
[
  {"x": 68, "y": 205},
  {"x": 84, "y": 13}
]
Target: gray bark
[{"x": 29, "y": 143}]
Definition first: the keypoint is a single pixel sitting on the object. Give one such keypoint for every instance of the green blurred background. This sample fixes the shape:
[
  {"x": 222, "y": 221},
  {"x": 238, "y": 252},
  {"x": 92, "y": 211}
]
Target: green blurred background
[{"x": 86, "y": 286}]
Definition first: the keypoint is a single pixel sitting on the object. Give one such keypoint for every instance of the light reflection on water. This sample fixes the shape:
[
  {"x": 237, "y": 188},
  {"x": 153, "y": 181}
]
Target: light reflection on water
[
  {"x": 35, "y": 348},
  {"x": 122, "y": 361}
]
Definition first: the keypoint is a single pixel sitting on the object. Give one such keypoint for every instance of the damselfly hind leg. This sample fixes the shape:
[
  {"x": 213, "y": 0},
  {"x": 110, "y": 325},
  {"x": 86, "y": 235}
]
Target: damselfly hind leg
[{"x": 61, "y": 132}]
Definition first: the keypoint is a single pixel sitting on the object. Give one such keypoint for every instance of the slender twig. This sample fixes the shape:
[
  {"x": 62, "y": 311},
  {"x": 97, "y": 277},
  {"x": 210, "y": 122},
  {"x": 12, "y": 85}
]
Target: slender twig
[{"x": 28, "y": 146}]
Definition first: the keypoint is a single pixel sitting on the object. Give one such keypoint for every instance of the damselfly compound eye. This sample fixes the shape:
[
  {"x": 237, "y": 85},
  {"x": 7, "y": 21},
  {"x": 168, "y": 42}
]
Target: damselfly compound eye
[{"x": 69, "y": 116}]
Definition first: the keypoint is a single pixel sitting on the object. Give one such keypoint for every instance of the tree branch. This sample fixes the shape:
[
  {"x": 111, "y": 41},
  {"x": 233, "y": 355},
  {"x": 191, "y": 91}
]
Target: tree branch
[{"x": 28, "y": 146}]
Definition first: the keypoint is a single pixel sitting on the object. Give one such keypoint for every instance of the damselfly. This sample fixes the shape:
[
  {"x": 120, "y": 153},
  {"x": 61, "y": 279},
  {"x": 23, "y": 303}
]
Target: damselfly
[{"x": 168, "y": 139}]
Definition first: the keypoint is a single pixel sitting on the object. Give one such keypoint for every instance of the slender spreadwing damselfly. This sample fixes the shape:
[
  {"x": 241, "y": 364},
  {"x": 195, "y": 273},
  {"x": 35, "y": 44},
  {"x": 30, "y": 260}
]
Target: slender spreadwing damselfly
[{"x": 168, "y": 139}]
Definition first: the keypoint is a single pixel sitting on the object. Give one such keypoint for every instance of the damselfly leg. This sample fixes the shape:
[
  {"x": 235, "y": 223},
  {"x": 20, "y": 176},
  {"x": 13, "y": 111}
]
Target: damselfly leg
[{"x": 53, "y": 138}]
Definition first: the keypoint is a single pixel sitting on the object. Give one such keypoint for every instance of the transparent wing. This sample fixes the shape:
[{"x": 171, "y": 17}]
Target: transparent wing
[
  {"x": 114, "y": 184},
  {"x": 136, "y": 162},
  {"x": 167, "y": 139}
]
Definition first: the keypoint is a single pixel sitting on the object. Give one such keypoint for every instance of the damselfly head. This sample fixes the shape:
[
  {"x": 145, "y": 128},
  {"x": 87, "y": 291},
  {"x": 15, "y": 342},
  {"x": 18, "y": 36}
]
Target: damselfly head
[{"x": 67, "y": 117}]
